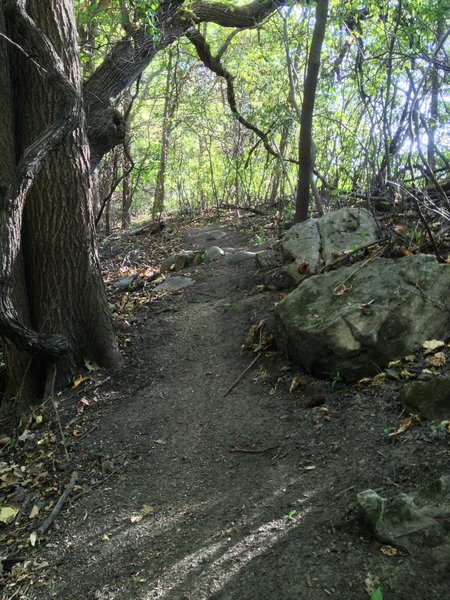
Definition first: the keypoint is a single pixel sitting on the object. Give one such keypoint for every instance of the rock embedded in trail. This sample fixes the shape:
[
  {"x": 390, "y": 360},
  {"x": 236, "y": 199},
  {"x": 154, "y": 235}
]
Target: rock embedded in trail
[
  {"x": 242, "y": 256},
  {"x": 430, "y": 399},
  {"x": 416, "y": 522},
  {"x": 352, "y": 321},
  {"x": 212, "y": 253},
  {"x": 307, "y": 246},
  {"x": 174, "y": 284}
]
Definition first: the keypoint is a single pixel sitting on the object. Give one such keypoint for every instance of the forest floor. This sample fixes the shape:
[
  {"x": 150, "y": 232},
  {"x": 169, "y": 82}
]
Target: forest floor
[{"x": 190, "y": 490}]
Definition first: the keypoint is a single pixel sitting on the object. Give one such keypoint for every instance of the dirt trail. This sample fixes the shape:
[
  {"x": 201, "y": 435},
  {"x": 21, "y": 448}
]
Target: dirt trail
[{"x": 276, "y": 524}]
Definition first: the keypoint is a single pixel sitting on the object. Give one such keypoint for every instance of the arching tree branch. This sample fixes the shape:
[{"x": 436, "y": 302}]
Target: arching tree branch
[{"x": 133, "y": 54}]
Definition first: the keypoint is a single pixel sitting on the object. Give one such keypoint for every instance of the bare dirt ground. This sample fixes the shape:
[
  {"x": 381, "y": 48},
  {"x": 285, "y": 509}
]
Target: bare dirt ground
[{"x": 186, "y": 492}]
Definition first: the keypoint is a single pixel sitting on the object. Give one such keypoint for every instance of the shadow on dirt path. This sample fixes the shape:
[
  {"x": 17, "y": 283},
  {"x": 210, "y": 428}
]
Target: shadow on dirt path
[{"x": 248, "y": 496}]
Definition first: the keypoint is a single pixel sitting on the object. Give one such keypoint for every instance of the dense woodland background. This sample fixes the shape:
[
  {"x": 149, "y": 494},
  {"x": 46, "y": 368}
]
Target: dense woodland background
[
  {"x": 115, "y": 111},
  {"x": 380, "y": 117}
]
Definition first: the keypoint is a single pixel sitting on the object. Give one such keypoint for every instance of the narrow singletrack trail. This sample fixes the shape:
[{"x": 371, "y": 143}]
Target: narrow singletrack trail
[{"x": 244, "y": 496}]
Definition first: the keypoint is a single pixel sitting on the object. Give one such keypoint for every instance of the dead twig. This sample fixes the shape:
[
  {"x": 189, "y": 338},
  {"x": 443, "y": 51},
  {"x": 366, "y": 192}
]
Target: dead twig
[
  {"x": 50, "y": 393},
  {"x": 253, "y": 451},
  {"x": 98, "y": 484},
  {"x": 231, "y": 388},
  {"x": 86, "y": 433},
  {"x": 42, "y": 530},
  {"x": 347, "y": 255}
]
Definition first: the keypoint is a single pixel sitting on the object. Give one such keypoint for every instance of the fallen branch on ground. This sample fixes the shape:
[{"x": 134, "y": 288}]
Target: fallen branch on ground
[
  {"x": 252, "y": 451},
  {"x": 231, "y": 388},
  {"x": 42, "y": 530}
]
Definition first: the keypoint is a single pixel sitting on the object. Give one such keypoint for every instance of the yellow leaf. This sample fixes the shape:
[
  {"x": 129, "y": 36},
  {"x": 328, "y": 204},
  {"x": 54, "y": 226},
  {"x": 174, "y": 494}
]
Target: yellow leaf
[
  {"x": 7, "y": 514},
  {"x": 393, "y": 364},
  {"x": 405, "y": 374},
  {"x": 105, "y": 538},
  {"x": 432, "y": 345},
  {"x": 297, "y": 381},
  {"x": 437, "y": 360},
  {"x": 404, "y": 425},
  {"x": 389, "y": 550},
  {"x": 147, "y": 510},
  {"x": 410, "y": 358},
  {"x": 379, "y": 379},
  {"x": 78, "y": 381},
  {"x": 38, "y": 419}
]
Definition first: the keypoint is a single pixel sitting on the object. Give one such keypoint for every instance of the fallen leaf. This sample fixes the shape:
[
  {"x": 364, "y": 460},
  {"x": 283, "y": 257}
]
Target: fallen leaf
[
  {"x": 136, "y": 518},
  {"x": 363, "y": 382},
  {"x": 323, "y": 410},
  {"x": 299, "y": 380},
  {"x": 105, "y": 538},
  {"x": 25, "y": 435},
  {"x": 252, "y": 333},
  {"x": 394, "y": 363},
  {"x": 38, "y": 419},
  {"x": 309, "y": 468},
  {"x": 405, "y": 374},
  {"x": 389, "y": 550},
  {"x": 405, "y": 424},
  {"x": 303, "y": 268},
  {"x": 341, "y": 289},
  {"x": 432, "y": 345},
  {"x": 379, "y": 379},
  {"x": 409, "y": 358},
  {"x": 7, "y": 514},
  {"x": 377, "y": 594},
  {"x": 34, "y": 512},
  {"x": 437, "y": 360},
  {"x": 78, "y": 381},
  {"x": 33, "y": 538},
  {"x": 91, "y": 365}
]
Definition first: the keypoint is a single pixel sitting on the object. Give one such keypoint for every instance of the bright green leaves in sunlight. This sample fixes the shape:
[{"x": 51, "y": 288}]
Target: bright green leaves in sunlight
[{"x": 145, "y": 16}]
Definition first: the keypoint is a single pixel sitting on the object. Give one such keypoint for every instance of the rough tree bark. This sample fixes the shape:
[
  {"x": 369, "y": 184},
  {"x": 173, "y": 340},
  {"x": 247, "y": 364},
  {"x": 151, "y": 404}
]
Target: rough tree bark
[
  {"x": 306, "y": 162},
  {"x": 53, "y": 307},
  {"x": 47, "y": 243}
]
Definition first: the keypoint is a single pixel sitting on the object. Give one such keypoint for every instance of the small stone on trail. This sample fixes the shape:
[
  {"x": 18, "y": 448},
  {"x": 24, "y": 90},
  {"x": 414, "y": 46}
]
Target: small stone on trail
[
  {"x": 173, "y": 284},
  {"x": 212, "y": 253},
  {"x": 122, "y": 283}
]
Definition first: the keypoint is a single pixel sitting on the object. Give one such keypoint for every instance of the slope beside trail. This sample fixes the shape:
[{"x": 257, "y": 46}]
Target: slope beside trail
[{"x": 249, "y": 495}]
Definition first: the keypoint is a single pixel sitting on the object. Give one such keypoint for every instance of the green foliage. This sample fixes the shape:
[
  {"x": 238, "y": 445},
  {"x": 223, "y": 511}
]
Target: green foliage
[
  {"x": 145, "y": 16},
  {"x": 377, "y": 594},
  {"x": 377, "y": 59}
]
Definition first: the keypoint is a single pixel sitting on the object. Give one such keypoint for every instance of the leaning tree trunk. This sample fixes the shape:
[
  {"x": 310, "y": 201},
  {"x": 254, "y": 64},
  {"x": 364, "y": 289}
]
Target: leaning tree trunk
[
  {"x": 62, "y": 291},
  {"x": 306, "y": 152}
]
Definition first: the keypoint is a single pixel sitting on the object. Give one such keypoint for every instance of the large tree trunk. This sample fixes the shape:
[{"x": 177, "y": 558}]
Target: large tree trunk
[{"x": 62, "y": 291}]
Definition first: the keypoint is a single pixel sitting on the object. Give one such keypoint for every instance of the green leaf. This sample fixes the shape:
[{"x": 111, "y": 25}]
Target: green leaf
[{"x": 377, "y": 594}]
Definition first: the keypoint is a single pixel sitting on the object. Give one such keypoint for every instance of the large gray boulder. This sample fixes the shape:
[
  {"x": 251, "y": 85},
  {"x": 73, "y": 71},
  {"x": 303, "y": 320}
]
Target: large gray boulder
[
  {"x": 352, "y": 321},
  {"x": 307, "y": 246}
]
